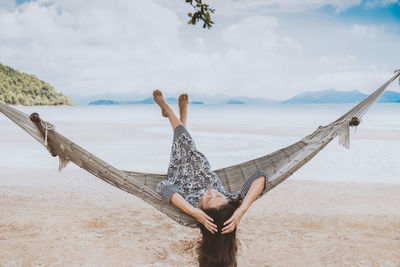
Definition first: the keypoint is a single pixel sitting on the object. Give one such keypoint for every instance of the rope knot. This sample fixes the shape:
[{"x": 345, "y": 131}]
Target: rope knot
[{"x": 49, "y": 127}]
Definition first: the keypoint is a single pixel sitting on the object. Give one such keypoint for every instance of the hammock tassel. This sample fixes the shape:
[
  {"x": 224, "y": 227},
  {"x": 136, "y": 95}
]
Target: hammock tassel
[
  {"x": 62, "y": 163},
  {"x": 344, "y": 135}
]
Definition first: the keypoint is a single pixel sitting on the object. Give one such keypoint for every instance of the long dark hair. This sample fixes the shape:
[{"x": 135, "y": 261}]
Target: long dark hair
[{"x": 218, "y": 249}]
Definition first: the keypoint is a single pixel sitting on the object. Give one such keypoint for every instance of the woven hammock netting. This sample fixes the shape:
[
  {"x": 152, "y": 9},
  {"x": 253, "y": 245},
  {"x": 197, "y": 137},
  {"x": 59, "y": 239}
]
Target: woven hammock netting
[{"x": 278, "y": 165}]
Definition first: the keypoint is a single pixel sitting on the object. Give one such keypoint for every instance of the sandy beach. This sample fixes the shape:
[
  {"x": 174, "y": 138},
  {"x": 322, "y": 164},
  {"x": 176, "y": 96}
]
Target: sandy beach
[
  {"x": 304, "y": 223},
  {"x": 72, "y": 218}
]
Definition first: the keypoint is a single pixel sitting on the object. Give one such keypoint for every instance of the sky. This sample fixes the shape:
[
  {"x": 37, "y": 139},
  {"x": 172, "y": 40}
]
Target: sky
[{"x": 257, "y": 48}]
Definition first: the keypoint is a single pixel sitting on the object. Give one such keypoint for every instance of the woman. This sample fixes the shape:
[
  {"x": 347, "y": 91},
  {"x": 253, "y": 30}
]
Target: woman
[{"x": 193, "y": 187}]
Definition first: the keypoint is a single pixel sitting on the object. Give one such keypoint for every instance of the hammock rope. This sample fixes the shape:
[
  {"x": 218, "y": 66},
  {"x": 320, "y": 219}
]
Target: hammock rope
[{"x": 278, "y": 165}]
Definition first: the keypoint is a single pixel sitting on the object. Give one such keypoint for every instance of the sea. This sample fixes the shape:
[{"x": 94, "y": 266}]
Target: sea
[{"x": 137, "y": 137}]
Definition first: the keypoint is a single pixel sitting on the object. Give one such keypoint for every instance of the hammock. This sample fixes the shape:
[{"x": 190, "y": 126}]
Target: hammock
[{"x": 278, "y": 165}]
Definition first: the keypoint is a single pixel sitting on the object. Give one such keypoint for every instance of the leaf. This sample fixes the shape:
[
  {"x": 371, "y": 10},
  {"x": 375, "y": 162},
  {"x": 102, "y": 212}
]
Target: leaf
[{"x": 202, "y": 13}]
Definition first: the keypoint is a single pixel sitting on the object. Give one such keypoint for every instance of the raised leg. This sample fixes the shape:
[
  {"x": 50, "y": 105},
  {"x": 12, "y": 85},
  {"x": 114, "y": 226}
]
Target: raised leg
[
  {"x": 166, "y": 110},
  {"x": 183, "y": 102}
]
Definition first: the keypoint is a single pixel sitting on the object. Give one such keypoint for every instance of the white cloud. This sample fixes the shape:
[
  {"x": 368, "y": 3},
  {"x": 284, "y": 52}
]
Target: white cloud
[
  {"x": 352, "y": 80},
  {"x": 101, "y": 46},
  {"x": 258, "y": 34},
  {"x": 87, "y": 47},
  {"x": 364, "y": 31},
  {"x": 345, "y": 60},
  {"x": 364, "y": 81},
  {"x": 380, "y": 3},
  {"x": 342, "y": 5},
  {"x": 200, "y": 44},
  {"x": 7, "y": 4},
  {"x": 92, "y": 49},
  {"x": 238, "y": 7},
  {"x": 289, "y": 42}
]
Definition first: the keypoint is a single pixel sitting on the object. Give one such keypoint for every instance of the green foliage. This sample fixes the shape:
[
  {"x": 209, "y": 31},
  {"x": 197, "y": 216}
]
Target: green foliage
[
  {"x": 202, "y": 13},
  {"x": 24, "y": 89}
]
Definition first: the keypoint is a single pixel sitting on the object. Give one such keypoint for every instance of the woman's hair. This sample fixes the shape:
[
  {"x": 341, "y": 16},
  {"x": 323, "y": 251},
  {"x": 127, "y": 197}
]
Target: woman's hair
[{"x": 218, "y": 249}]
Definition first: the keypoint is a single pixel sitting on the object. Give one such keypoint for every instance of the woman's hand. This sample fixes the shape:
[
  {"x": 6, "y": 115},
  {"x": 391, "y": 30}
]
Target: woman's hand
[
  {"x": 197, "y": 213},
  {"x": 255, "y": 189},
  {"x": 233, "y": 221},
  {"x": 204, "y": 219}
]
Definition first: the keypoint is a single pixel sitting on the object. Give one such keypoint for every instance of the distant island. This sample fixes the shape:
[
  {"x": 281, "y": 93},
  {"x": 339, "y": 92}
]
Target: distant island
[
  {"x": 335, "y": 96},
  {"x": 310, "y": 97},
  {"x": 149, "y": 100},
  {"x": 235, "y": 102},
  {"x": 18, "y": 88},
  {"x": 197, "y": 99}
]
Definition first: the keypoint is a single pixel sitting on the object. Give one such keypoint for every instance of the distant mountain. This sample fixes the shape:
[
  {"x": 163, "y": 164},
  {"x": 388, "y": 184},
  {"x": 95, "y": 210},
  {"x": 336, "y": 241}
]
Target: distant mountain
[
  {"x": 120, "y": 99},
  {"x": 85, "y": 100},
  {"x": 254, "y": 100},
  {"x": 104, "y": 102},
  {"x": 389, "y": 97},
  {"x": 335, "y": 96},
  {"x": 235, "y": 102},
  {"x": 225, "y": 99},
  {"x": 326, "y": 96},
  {"x": 26, "y": 89},
  {"x": 149, "y": 100}
]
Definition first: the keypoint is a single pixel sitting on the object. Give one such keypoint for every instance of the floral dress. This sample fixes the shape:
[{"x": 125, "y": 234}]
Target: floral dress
[{"x": 190, "y": 173}]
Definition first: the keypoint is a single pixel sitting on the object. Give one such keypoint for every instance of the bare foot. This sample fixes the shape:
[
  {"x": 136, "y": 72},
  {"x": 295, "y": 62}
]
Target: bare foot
[
  {"x": 183, "y": 102},
  {"x": 158, "y": 97}
]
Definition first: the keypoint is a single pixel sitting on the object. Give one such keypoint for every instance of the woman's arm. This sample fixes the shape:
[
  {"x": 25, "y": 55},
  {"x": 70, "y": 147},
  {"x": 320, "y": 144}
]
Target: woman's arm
[
  {"x": 197, "y": 213},
  {"x": 173, "y": 194},
  {"x": 256, "y": 188}
]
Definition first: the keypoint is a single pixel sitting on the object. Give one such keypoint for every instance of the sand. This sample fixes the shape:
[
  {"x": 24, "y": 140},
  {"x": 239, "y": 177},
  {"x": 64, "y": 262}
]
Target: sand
[
  {"x": 303, "y": 223},
  {"x": 72, "y": 218}
]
